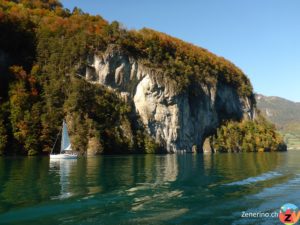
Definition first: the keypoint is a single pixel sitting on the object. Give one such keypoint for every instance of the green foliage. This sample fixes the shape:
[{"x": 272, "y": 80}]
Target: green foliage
[
  {"x": 3, "y": 137},
  {"x": 249, "y": 136},
  {"x": 183, "y": 62},
  {"x": 25, "y": 110},
  {"x": 96, "y": 112},
  {"x": 151, "y": 146},
  {"x": 48, "y": 4},
  {"x": 4, "y": 127},
  {"x": 16, "y": 47}
]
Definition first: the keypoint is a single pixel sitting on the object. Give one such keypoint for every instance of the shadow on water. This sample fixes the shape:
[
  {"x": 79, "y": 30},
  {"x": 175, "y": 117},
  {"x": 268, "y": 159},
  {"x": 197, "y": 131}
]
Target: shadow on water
[{"x": 153, "y": 189}]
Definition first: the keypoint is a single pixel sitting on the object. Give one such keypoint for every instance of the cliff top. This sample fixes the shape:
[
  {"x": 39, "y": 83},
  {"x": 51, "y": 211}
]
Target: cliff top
[{"x": 182, "y": 61}]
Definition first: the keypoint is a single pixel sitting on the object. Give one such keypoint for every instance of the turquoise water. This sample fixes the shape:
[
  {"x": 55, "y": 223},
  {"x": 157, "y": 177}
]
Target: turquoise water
[{"x": 148, "y": 189}]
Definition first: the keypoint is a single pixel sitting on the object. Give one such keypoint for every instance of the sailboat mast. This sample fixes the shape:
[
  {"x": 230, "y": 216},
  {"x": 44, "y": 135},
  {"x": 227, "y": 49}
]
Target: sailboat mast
[
  {"x": 62, "y": 137},
  {"x": 55, "y": 142}
]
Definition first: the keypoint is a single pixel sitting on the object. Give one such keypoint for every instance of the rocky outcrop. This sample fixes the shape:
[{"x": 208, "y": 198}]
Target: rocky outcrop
[
  {"x": 178, "y": 120},
  {"x": 207, "y": 146}
]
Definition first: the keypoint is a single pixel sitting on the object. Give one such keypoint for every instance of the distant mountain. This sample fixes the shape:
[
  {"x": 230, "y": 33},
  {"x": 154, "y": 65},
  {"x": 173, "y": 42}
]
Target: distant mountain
[{"x": 285, "y": 114}]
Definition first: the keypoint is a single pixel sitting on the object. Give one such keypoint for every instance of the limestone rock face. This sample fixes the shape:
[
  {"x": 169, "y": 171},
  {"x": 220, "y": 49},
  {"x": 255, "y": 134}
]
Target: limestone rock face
[
  {"x": 207, "y": 147},
  {"x": 177, "y": 120}
]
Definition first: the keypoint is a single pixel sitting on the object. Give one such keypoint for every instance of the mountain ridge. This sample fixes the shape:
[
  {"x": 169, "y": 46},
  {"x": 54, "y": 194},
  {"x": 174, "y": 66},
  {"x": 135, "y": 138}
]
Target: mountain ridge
[{"x": 285, "y": 114}]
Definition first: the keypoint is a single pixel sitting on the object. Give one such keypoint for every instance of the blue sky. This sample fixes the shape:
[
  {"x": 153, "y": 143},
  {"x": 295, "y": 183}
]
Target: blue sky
[{"x": 262, "y": 37}]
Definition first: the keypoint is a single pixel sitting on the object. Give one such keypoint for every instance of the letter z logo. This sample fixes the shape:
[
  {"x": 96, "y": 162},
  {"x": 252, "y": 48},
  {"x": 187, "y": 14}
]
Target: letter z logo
[{"x": 287, "y": 218}]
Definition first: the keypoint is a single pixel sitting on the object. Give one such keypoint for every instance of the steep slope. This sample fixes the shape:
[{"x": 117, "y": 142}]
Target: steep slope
[
  {"x": 120, "y": 91},
  {"x": 285, "y": 114},
  {"x": 176, "y": 119}
]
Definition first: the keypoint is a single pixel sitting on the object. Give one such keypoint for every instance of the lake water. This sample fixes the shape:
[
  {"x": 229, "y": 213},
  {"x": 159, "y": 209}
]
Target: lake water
[{"x": 148, "y": 189}]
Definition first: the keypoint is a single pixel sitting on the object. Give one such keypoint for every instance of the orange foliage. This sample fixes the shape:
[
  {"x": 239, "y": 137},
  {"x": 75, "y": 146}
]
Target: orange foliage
[
  {"x": 34, "y": 92},
  {"x": 21, "y": 75},
  {"x": 18, "y": 71}
]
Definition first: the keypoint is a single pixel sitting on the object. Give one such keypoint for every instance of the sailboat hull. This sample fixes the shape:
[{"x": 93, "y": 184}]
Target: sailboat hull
[{"x": 63, "y": 156}]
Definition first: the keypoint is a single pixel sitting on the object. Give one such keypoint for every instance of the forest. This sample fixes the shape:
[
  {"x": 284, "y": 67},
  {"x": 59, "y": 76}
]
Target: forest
[{"x": 42, "y": 46}]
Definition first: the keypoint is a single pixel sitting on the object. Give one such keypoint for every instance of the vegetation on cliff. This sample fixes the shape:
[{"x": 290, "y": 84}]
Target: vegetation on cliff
[
  {"x": 42, "y": 46},
  {"x": 247, "y": 136}
]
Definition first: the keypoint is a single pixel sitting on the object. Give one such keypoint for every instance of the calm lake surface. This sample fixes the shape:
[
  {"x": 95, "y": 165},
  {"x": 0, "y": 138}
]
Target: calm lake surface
[{"x": 148, "y": 189}]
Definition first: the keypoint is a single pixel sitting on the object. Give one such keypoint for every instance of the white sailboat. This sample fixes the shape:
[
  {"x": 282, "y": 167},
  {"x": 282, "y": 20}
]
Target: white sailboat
[{"x": 65, "y": 147}]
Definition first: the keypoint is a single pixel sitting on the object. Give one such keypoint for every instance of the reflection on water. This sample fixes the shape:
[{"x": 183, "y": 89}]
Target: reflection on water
[
  {"x": 166, "y": 168},
  {"x": 23, "y": 181},
  {"x": 178, "y": 189},
  {"x": 63, "y": 169}
]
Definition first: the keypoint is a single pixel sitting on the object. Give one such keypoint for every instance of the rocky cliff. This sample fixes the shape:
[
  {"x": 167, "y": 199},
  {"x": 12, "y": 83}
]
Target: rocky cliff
[
  {"x": 178, "y": 120},
  {"x": 143, "y": 87}
]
